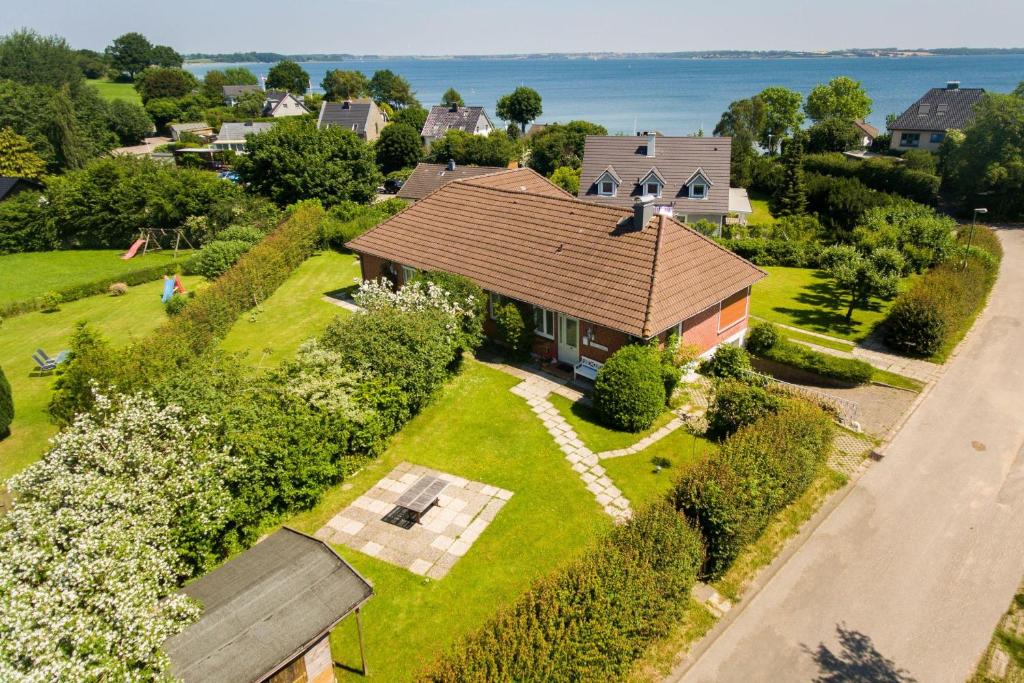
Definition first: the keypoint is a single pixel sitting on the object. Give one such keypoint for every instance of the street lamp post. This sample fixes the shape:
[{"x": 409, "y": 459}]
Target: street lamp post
[{"x": 970, "y": 235}]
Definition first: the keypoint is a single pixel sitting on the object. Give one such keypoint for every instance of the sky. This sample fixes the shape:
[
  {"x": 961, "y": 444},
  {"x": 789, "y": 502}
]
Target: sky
[{"x": 477, "y": 27}]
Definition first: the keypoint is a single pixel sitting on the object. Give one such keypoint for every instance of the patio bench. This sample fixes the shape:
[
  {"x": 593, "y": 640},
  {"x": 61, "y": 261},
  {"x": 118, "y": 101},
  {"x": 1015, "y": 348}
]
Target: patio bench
[
  {"x": 422, "y": 495},
  {"x": 587, "y": 367}
]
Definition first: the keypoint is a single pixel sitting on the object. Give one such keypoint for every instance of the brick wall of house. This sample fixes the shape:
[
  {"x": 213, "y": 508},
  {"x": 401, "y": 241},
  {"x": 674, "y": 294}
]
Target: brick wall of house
[
  {"x": 703, "y": 328},
  {"x": 611, "y": 340}
]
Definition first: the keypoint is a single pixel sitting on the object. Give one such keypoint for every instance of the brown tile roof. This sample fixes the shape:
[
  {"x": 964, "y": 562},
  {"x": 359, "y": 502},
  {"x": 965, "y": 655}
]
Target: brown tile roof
[
  {"x": 866, "y": 128},
  {"x": 676, "y": 159},
  {"x": 520, "y": 180},
  {"x": 426, "y": 178},
  {"x": 579, "y": 258}
]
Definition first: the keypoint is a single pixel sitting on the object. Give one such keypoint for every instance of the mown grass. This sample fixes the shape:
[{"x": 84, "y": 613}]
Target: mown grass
[
  {"x": 762, "y": 215},
  {"x": 120, "y": 319},
  {"x": 29, "y": 275},
  {"x": 109, "y": 90},
  {"x": 648, "y": 475},
  {"x": 596, "y": 436}
]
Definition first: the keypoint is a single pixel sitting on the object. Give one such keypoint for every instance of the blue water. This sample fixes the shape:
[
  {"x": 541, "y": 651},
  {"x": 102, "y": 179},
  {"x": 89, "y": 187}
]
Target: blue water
[{"x": 674, "y": 96}]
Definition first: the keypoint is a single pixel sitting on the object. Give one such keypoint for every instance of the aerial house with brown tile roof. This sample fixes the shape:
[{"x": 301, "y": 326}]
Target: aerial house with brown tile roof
[{"x": 591, "y": 277}]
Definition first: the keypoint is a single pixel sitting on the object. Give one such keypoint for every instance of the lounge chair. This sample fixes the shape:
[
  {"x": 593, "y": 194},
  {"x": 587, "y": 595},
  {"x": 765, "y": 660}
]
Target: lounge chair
[{"x": 45, "y": 364}]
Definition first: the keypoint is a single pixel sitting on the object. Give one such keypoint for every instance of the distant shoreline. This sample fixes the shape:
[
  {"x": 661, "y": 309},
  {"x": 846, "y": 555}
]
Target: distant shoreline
[{"x": 859, "y": 53}]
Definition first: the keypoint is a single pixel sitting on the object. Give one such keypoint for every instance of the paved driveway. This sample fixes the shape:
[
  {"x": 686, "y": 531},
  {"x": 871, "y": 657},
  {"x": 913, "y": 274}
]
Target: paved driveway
[{"x": 910, "y": 573}]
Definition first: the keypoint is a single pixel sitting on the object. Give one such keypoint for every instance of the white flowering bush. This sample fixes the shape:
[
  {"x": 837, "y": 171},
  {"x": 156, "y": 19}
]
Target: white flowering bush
[
  {"x": 91, "y": 555},
  {"x": 373, "y": 295}
]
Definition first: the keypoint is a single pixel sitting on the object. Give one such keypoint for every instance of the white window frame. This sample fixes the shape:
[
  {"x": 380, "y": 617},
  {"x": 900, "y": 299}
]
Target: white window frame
[
  {"x": 601, "y": 190},
  {"x": 408, "y": 273},
  {"x": 704, "y": 192},
  {"x": 656, "y": 185},
  {"x": 547, "y": 320}
]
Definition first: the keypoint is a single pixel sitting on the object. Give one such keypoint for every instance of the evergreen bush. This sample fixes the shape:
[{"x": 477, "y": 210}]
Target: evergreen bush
[
  {"x": 514, "y": 330},
  {"x": 736, "y": 404},
  {"x": 728, "y": 361},
  {"x": 6, "y": 405},
  {"x": 629, "y": 391}
]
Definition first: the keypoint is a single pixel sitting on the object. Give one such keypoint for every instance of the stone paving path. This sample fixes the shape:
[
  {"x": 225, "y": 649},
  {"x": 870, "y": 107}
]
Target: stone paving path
[{"x": 346, "y": 303}]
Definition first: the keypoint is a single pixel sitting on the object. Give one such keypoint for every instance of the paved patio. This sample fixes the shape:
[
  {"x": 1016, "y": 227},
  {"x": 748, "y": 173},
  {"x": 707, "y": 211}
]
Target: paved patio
[{"x": 374, "y": 526}]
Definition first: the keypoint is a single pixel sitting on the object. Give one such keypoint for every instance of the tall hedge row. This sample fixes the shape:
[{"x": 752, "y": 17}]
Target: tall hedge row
[
  {"x": 592, "y": 619},
  {"x": 6, "y": 405},
  {"x": 884, "y": 175},
  {"x": 758, "y": 471}
]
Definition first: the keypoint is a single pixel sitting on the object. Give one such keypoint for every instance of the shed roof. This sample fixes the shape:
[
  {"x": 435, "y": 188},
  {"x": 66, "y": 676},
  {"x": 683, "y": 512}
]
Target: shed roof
[
  {"x": 443, "y": 118},
  {"x": 237, "y": 130},
  {"x": 940, "y": 109},
  {"x": 12, "y": 185},
  {"x": 677, "y": 159},
  {"x": 263, "y": 608},
  {"x": 558, "y": 252}
]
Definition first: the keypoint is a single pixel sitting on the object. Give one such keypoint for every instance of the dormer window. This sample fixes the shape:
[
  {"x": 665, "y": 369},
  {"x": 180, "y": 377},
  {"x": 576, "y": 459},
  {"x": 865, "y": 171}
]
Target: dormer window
[
  {"x": 652, "y": 183},
  {"x": 652, "y": 188},
  {"x": 698, "y": 184},
  {"x": 698, "y": 190},
  {"x": 606, "y": 188},
  {"x": 608, "y": 183}
]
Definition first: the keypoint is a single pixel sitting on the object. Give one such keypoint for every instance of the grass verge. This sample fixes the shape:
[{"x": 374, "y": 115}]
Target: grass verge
[{"x": 595, "y": 435}]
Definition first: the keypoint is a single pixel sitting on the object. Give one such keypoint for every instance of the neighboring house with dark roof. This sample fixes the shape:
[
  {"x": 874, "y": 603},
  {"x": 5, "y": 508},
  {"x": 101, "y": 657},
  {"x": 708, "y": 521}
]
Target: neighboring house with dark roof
[
  {"x": 11, "y": 186},
  {"x": 591, "y": 277},
  {"x": 443, "y": 118},
  {"x": 687, "y": 176},
  {"x": 232, "y": 135},
  {"x": 363, "y": 117},
  {"x": 426, "y": 178},
  {"x": 268, "y": 614},
  {"x": 280, "y": 103},
  {"x": 232, "y": 93},
  {"x": 925, "y": 124},
  {"x": 866, "y": 133}
]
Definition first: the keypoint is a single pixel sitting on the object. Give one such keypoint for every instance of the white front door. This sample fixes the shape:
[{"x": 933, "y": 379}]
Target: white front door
[{"x": 568, "y": 339}]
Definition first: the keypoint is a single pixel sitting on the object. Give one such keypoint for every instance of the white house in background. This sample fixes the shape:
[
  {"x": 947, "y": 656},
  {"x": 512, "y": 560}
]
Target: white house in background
[
  {"x": 444, "y": 118},
  {"x": 232, "y": 135},
  {"x": 280, "y": 103},
  {"x": 925, "y": 123}
]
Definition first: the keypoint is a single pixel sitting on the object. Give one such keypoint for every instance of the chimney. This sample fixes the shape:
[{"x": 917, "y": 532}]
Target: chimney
[
  {"x": 952, "y": 85},
  {"x": 451, "y": 164},
  {"x": 453, "y": 107},
  {"x": 650, "y": 144},
  {"x": 643, "y": 211},
  {"x": 346, "y": 104}
]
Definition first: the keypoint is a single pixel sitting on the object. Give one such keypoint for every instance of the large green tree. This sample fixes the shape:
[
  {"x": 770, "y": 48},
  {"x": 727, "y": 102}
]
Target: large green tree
[
  {"x": 288, "y": 75},
  {"x": 399, "y": 146},
  {"x": 452, "y": 98},
  {"x": 840, "y": 98},
  {"x": 743, "y": 121},
  {"x": 129, "y": 121},
  {"x": 496, "y": 149},
  {"x": 339, "y": 84},
  {"x": 412, "y": 116},
  {"x": 130, "y": 53},
  {"x": 295, "y": 160},
  {"x": 17, "y": 158},
  {"x": 165, "y": 56},
  {"x": 157, "y": 81},
  {"x": 791, "y": 197},
  {"x": 782, "y": 116},
  {"x": 388, "y": 87},
  {"x": 560, "y": 145},
  {"x": 92, "y": 63},
  {"x": 31, "y": 59},
  {"x": 862, "y": 276},
  {"x": 520, "y": 106}
]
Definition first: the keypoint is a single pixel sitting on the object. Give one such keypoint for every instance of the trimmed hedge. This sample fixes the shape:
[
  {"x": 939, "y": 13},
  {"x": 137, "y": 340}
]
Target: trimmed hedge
[
  {"x": 775, "y": 252},
  {"x": 941, "y": 305},
  {"x": 766, "y": 342},
  {"x": 758, "y": 471},
  {"x": 884, "y": 175},
  {"x": 6, "y": 405},
  {"x": 591, "y": 620},
  {"x": 629, "y": 391},
  {"x": 736, "y": 404}
]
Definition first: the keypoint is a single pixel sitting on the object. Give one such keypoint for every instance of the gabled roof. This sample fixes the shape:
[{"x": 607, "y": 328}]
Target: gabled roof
[
  {"x": 190, "y": 127},
  {"x": 353, "y": 115},
  {"x": 426, "y": 178},
  {"x": 443, "y": 118},
  {"x": 940, "y": 109},
  {"x": 238, "y": 130},
  {"x": 866, "y": 128},
  {"x": 699, "y": 173},
  {"x": 13, "y": 185},
  {"x": 580, "y": 258},
  {"x": 610, "y": 172},
  {"x": 263, "y": 608},
  {"x": 655, "y": 173},
  {"x": 276, "y": 99},
  {"x": 677, "y": 160},
  {"x": 233, "y": 91},
  {"x": 519, "y": 180}
]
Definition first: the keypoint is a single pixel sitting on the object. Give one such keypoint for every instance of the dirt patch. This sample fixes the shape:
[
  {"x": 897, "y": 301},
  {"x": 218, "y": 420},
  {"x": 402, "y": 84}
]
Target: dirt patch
[{"x": 879, "y": 407}]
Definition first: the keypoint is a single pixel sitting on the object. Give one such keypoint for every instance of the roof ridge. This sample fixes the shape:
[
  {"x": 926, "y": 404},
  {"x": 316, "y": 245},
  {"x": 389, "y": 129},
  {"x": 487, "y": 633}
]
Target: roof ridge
[
  {"x": 715, "y": 244},
  {"x": 648, "y": 309},
  {"x": 568, "y": 198}
]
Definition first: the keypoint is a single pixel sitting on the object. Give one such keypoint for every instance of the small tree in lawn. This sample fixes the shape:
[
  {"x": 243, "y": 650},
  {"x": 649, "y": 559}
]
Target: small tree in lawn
[
  {"x": 452, "y": 98},
  {"x": 520, "y": 106},
  {"x": 862, "y": 276},
  {"x": 791, "y": 197}
]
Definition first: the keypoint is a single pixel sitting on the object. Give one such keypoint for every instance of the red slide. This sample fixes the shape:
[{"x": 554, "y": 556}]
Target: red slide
[
  {"x": 132, "y": 249},
  {"x": 178, "y": 286}
]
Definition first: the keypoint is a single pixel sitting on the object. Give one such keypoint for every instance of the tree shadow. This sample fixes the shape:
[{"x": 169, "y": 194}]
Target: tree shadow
[
  {"x": 825, "y": 310},
  {"x": 857, "y": 661},
  {"x": 342, "y": 293}
]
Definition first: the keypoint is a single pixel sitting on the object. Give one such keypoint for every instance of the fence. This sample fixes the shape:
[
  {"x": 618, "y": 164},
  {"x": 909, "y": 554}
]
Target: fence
[{"x": 846, "y": 412}]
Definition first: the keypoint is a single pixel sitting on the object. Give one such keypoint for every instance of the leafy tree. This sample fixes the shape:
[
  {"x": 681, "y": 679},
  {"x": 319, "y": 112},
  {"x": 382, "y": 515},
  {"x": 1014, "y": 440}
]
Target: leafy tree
[
  {"x": 412, "y": 116},
  {"x": 841, "y": 98},
  {"x": 289, "y": 76},
  {"x": 344, "y": 85},
  {"x": 157, "y": 81},
  {"x": 782, "y": 115},
  {"x": 129, "y": 121},
  {"x": 743, "y": 121},
  {"x": 250, "y": 104},
  {"x": 71, "y": 145},
  {"x": 567, "y": 178},
  {"x": 862, "y": 276},
  {"x": 17, "y": 158},
  {"x": 130, "y": 53},
  {"x": 398, "y": 147},
  {"x": 984, "y": 164},
  {"x": 832, "y": 135},
  {"x": 31, "y": 59},
  {"x": 23, "y": 225},
  {"x": 239, "y": 75},
  {"x": 388, "y": 87},
  {"x": 520, "y": 106},
  {"x": 561, "y": 145},
  {"x": 452, "y": 98},
  {"x": 93, "y": 64},
  {"x": 295, "y": 160},
  {"x": 162, "y": 55},
  {"x": 495, "y": 149},
  {"x": 791, "y": 197}
]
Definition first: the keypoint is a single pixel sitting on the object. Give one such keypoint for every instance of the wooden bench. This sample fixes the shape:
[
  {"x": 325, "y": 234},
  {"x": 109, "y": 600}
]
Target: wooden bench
[
  {"x": 586, "y": 368},
  {"x": 422, "y": 495}
]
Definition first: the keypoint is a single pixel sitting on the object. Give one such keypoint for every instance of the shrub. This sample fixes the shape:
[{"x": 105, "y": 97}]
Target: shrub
[
  {"x": 736, "y": 404},
  {"x": 762, "y": 337},
  {"x": 6, "y": 405},
  {"x": 513, "y": 330},
  {"x": 118, "y": 288},
  {"x": 175, "y": 305},
  {"x": 240, "y": 233},
  {"x": 217, "y": 257},
  {"x": 776, "y": 252},
  {"x": 728, "y": 360},
  {"x": 51, "y": 302},
  {"x": 469, "y": 296},
  {"x": 592, "y": 619},
  {"x": 915, "y": 181},
  {"x": 849, "y": 370},
  {"x": 348, "y": 220},
  {"x": 841, "y": 202},
  {"x": 760, "y": 469},
  {"x": 629, "y": 391}
]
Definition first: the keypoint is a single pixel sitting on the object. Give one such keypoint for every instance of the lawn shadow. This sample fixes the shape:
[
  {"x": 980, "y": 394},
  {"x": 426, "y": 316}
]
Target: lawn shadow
[
  {"x": 826, "y": 309},
  {"x": 857, "y": 661},
  {"x": 342, "y": 293}
]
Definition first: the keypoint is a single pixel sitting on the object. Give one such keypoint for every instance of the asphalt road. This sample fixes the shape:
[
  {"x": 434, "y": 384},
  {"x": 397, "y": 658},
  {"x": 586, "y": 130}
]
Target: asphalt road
[{"x": 907, "y": 577}]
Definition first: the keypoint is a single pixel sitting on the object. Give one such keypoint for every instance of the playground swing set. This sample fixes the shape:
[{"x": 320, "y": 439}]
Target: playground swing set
[{"x": 150, "y": 239}]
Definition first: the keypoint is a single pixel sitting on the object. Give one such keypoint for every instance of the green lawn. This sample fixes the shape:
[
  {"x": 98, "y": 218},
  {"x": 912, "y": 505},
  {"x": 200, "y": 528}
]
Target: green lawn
[
  {"x": 595, "y": 435},
  {"x": 295, "y": 312},
  {"x": 804, "y": 297},
  {"x": 116, "y": 91},
  {"x": 479, "y": 430},
  {"x": 120, "y": 319},
  {"x": 759, "y": 203},
  {"x": 638, "y": 478},
  {"x": 26, "y": 276}
]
